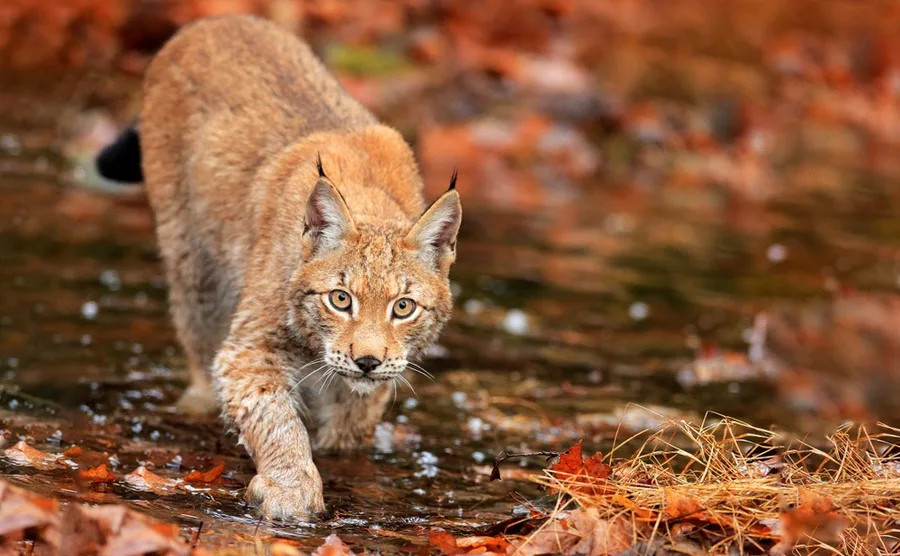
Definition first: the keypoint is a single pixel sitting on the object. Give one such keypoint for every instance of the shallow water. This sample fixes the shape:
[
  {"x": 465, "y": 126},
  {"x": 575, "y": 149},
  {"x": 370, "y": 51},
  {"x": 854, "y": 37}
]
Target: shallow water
[{"x": 569, "y": 316}]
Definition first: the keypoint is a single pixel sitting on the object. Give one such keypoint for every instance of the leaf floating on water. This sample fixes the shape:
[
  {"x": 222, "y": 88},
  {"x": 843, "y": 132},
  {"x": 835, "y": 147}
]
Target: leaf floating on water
[
  {"x": 96, "y": 475},
  {"x": 206, "y": 477},
  {"x": 23, "y": 454},
  {"x": 333, "y": 546},
  {"x": 144, "y": 479}
]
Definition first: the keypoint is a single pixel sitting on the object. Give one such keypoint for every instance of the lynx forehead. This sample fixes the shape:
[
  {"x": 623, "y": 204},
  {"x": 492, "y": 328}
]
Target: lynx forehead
[{"x": 306, "y": 273}]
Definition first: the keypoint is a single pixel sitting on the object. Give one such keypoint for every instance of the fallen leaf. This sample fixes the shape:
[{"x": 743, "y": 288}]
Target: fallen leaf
[
  {"x": 570, "y": 462},
  {"x": 96, "y": 475},
  {"x": 144, "y": 479},
  {"x": 814, "y": 518},
  {"x": 333, "y": 546},
  {"x": 21, "y": 510},
  {"x": 482, "y": 543},
  {"x": 115, "y": 530},
  {"x": 207, "y": 477},
  {"x": 594, "y": 467},
  {"x": 283, "y": 549},
  {"x": 23, "y": 454},
  {"x": 73, "y": 452},
  {"x": 442, "y": 541},
  {"x": 680, "y": 506}
]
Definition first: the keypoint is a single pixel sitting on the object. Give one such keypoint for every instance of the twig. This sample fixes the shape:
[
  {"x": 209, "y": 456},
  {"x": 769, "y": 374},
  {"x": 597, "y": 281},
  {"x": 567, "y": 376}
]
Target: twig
[
  {"x": 195, "y": 538},
  {"x": 504, "y": 455}
]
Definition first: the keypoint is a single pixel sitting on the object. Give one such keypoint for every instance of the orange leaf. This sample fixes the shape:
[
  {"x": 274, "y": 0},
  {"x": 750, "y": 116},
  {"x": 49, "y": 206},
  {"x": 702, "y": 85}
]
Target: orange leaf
[
  {"x": 595, "y": 467},
  {"x": 144, "y": 479},
  {"x": 73, "y": 452},
  {"x": 207, "y": 477},
  {"x": 99, "y": 474},
  {"x": 442, "y": 541},
  {"x": 815, "y": 517},
  {"x": 23, "y": 454},
  {"x": 483, "y": 544},
  {"x": 679, "y": 506},
  {"x": 570, "y": 462}
]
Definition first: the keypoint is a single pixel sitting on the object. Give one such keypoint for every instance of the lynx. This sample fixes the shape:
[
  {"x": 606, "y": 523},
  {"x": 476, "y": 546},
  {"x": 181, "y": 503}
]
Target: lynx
[{"x": 306, "y": 274}]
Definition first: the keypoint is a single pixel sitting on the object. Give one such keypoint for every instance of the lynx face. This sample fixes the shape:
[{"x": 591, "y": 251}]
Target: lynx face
[{"x": 370, "y": 298}]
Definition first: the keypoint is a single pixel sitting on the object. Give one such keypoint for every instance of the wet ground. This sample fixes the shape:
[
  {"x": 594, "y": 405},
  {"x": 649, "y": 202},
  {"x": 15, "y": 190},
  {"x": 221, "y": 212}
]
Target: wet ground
[{"x": 569, "y": 316}]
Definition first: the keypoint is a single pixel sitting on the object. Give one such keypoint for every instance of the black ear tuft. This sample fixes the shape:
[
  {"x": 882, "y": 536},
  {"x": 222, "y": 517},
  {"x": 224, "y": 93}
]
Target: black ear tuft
[
  {"x": 453, "y": 179},
  {"x": 319, "y": 166}
]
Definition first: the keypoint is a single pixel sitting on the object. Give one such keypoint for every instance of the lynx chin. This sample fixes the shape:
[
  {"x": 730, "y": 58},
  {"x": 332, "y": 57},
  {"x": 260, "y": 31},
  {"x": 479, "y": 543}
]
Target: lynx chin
[{"x": 306, "y": 272}]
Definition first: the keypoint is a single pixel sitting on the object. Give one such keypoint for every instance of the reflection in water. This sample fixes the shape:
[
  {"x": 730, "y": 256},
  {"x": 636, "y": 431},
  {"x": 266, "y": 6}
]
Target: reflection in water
[{"x": 565, "y": 315}]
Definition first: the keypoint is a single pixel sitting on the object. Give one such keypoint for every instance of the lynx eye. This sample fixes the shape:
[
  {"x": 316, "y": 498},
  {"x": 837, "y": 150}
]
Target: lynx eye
[
  {"x": 404, "y": 308},
  {"x": 340, "y": 300}
]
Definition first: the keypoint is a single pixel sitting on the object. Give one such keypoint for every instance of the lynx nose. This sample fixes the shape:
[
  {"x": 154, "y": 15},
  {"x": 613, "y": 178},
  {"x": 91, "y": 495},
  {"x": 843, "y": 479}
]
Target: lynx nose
[{"x": 367, "y": 363}]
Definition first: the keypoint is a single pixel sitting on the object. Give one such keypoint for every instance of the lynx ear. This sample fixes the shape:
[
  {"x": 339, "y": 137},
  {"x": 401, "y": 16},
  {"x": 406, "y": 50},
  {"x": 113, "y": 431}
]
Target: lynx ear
[
  {"x": 328, "y": 219},
  {"x": 434, "y": 235}
]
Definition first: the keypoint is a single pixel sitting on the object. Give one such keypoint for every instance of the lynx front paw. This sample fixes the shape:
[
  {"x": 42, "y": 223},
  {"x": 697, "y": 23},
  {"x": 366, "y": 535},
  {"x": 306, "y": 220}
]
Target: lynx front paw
[{"x": 302, "y": 498}]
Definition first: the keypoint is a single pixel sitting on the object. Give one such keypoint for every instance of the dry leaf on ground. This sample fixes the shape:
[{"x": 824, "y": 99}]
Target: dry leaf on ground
[{"x": 21, "y": 510}]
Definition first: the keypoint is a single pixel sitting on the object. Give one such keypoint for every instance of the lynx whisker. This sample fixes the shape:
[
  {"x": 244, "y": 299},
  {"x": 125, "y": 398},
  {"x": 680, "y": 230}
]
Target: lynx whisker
[
  {"x": 329, "y": 378},
  {"x": 402, "y": 379},
  {"x": 420, "y": 370}
]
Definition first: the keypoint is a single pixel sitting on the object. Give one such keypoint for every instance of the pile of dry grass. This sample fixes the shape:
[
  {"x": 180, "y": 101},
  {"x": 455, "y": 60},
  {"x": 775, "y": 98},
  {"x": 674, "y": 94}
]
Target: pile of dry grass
[{"x": 725, "y": 487}]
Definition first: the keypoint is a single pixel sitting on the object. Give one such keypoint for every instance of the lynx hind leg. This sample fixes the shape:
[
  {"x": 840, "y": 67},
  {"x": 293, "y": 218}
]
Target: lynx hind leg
[{"x": 199, "y": 308}]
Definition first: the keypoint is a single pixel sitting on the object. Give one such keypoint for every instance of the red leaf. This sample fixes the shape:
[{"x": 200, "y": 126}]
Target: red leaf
[
  {"x": 99, "y": 474},
  {"x": 595, "y": 467},
  {"x": 570, "y": 462},
  {"x": 442, "y": 541},
  {"x": 207, "y": 477}
]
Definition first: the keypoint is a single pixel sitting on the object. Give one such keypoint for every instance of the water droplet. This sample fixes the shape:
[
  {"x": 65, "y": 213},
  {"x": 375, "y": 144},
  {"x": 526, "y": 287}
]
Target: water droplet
[
  {"x": 473, "y": 307},
  {"x": 110, "y": 279},
  {"x": 455, "y": 289},
  {"x": 459, "y": 399},
  {"x": 776, "y": 252},
  {"x": 639, "y": 311},
  {"x": 10, "y": 143},
  {"x": 383, "y": 439},
  {"x": 89, "y": 310},
  {"x": 515, "y": 322}
]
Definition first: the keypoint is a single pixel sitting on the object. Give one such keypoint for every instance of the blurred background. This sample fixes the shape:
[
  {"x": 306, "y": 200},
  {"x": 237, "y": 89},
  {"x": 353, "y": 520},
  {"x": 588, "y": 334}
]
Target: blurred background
[{"x": 682, "y": 205}]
